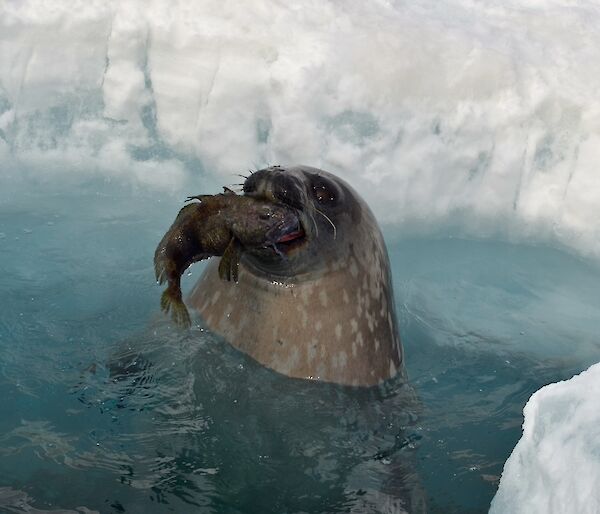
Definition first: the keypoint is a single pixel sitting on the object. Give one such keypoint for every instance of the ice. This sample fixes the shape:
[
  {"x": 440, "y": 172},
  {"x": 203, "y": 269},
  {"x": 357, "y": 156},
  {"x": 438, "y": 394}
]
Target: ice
[
  {"x": 474, "y": 115},
  {"x": 555, "y": 467}
]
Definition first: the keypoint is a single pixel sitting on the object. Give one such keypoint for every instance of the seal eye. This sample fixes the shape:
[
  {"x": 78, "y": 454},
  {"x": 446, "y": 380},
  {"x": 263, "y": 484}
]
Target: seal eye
[{"x": 323, "y": 193}]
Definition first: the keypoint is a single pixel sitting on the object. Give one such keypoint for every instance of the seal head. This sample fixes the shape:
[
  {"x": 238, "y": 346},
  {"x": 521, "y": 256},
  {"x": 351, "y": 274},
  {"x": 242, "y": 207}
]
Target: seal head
[{"x": 319, "y": 303}]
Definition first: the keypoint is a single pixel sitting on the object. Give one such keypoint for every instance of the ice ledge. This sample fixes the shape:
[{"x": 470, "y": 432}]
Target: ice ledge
[{"x": 555, "y": 467}]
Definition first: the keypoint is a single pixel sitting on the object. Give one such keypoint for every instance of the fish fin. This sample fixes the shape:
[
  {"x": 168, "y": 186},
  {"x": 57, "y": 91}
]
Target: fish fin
[
  {"x": 224, "y": 269},
  {"x": 235, "y": 269},
  {"x": 160, "y": 266},
  {"x": 159, "y": 272},
  {"x": 230, "y": 261},
  {"x": 197, "y": 197}
]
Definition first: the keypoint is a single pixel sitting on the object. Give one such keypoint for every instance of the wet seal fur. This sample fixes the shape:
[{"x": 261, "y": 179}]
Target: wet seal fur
[{"x": 325, "y": 311}]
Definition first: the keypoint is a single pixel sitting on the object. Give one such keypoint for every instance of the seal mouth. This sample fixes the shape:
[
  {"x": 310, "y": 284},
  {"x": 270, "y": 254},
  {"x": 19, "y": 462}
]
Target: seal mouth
[
  {"x": 291, "y": 239},
  {"x": 286, "y": 236}
]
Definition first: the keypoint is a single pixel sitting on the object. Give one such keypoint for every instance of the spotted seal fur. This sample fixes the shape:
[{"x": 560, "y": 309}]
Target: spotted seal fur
[{"x": 322, "y": 308}]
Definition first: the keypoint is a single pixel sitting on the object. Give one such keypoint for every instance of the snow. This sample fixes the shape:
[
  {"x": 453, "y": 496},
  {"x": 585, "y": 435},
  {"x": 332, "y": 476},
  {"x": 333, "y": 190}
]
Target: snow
[
  {"x": 475, "y": 115},
  {"x": 555, "y": 467}
]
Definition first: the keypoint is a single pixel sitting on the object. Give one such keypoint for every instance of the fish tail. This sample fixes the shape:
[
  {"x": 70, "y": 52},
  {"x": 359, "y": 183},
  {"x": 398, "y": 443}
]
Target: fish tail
[
  {"x": 171, "y": 301},
  {"x": 180, "y": 315},
  {"x": 165, "y": 301}
]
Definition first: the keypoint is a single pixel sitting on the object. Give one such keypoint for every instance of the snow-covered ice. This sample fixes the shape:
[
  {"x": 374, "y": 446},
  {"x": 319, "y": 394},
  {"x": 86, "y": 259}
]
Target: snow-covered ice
[
  {"x": 479, "y": 115},
  {"x": 555, "y": 467}
]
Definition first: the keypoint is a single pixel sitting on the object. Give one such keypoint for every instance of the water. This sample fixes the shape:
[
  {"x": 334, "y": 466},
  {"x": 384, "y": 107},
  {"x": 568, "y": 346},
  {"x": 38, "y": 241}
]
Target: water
[
  {"x": 104, "y": 407},
  {"x": 484, "y": 325}
]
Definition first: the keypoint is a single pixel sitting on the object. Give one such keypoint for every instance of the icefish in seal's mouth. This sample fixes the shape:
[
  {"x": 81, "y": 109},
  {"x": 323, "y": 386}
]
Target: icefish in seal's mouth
[
  {"x": 272, "y": 224},
  {"x": 224, "y": 225}
]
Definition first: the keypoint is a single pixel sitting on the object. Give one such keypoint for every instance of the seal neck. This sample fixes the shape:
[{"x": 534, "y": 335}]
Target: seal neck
[{"x": 332, "y": 329}]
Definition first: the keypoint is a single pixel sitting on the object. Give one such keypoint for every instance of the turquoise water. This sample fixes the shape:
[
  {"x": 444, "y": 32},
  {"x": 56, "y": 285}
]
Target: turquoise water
[{"x": 104, "y": 407}]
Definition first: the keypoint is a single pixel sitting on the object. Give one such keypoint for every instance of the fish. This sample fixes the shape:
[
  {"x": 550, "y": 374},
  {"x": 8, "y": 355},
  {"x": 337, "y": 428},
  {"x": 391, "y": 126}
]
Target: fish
[{"x": 225, "y": 225}]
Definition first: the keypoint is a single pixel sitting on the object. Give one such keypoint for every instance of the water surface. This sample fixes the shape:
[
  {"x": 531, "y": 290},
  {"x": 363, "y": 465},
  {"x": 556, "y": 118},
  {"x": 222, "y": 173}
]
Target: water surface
[{"x": 105, "y": 407}]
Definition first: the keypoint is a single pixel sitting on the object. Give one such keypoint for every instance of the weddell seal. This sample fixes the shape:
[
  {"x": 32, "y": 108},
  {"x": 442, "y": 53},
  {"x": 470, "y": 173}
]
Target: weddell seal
[{"x": 317, "y": 302}]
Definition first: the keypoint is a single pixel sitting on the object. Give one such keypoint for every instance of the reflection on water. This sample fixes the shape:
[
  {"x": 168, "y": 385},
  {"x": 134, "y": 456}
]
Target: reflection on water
[
  {"x": 106, "y": 408},
  {"x": 190, "y": 421}
]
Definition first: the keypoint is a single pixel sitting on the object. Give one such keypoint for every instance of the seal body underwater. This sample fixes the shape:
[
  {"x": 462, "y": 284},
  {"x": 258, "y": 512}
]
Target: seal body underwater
[{"x": 321, "y": 307}]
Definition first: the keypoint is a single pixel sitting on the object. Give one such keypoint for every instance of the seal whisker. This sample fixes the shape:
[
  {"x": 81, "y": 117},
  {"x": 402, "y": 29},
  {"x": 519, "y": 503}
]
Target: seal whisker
[
  {"x": 314, "y": 223},
  {"x": 278, "y": 251},
  {"x": 331, "y": 222}
]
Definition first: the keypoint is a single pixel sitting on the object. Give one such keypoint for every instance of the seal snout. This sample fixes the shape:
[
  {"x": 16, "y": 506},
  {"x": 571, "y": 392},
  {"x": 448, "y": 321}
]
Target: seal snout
[{"x": 277, "y": 185}]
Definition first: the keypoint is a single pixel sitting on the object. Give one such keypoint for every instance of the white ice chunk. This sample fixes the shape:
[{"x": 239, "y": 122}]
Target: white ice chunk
[{"x": 555, "y": 467}]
